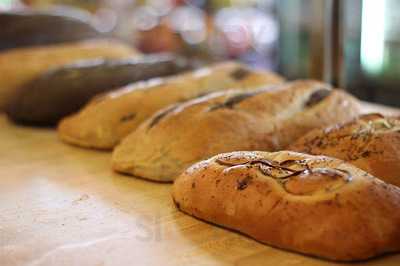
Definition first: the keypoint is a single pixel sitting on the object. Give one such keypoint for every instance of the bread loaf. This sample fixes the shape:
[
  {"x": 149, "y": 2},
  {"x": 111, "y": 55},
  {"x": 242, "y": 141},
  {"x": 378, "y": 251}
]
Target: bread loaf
[
  {"x": 33, "y": 27},
  {"x": 267, "y": 119},
  {"x": 371, "y": 142},
  {"x": 18, "y": 66},
  {"x": 63, "y": 90},
  {"x": 314, "y": 205},
  {"x": 107, "y": 119}
]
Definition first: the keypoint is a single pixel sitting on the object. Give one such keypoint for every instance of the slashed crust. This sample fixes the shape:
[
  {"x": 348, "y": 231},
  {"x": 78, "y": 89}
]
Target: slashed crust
[
  {"x": 266, "y": 119},
  {"x": 309, "y": 204},
  {"x": 110, "y": 117},
  {"x": 370, "y": 142}
]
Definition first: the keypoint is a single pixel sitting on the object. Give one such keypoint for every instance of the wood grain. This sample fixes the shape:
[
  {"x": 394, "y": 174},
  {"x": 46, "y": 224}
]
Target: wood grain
[{"x": 61, "y": 205}]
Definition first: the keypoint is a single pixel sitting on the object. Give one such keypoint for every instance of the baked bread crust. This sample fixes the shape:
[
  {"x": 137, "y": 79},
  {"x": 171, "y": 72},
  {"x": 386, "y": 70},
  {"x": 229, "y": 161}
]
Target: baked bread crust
[
  {"x": 315, "y": 205},
  {"x": 109, "y": 118},
  {"x": 371, "y": 142},
  {"x": 267, "y": 119},
  {"x": 20, "y": 65}
]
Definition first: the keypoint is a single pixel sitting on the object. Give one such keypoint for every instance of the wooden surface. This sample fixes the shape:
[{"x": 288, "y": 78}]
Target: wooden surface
[{"x": 61, "y": 205}]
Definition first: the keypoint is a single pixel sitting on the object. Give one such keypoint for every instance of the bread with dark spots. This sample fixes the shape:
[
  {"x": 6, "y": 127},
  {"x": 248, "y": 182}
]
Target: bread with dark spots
[
  {"x": 370, "y": 142},
  {"x": 313, "y": 205},
  {"x": 102, "y": 123},
  {"x": 267, "y": 119}
]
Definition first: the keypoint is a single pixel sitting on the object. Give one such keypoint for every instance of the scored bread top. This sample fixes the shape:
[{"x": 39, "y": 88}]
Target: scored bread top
[
  {"x": 371, "y": 142},
  {"x": 310, "y": 204},
  {"x": 296, "y": 176},
  {"x": 265, "y": 119},
  {"x": 292, "y": 174},
  {"x": 110, "y": 117}
]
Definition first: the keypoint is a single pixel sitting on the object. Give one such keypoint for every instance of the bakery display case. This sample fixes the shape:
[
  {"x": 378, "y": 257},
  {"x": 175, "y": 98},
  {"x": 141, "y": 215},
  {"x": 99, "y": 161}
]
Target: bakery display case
[{"x": 190, "y": 132}]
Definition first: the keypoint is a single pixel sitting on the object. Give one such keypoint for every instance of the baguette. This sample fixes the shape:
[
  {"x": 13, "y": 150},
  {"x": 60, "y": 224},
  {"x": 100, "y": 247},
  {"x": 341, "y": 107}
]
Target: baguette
[
  {"x": 267, "y": 119},
  {"x": 64, "y": 90},
  {"x": 109, "y": 118},
  {"x": 34, "y": 27},
  {"x": 371, "y": 142},
  {"x": 314, "y": 205},
  {"x": 20, "y": 65}
]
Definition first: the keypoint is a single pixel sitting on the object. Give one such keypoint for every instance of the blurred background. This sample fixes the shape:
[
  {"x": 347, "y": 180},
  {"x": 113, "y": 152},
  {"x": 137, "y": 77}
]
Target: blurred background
[{"x": 351, "y": 44}]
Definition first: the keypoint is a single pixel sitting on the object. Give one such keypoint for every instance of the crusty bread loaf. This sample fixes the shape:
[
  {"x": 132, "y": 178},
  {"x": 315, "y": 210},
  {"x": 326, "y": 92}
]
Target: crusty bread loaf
[
  {"x": 267, "y": 119},
  {"x": 309, "y": 204},
  {"x": 64, "y": 90},
  {"x": 109, "y": 118},
  {"x": 20, "y": 65},
  {"x": 371, "y": 143}
]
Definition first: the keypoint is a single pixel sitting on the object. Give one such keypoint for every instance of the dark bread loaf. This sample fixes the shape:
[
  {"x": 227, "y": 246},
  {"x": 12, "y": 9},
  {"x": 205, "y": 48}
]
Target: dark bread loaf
[
  {"x": 314, "y": 205},
  {"x": 34, "y": 27},
  {"x": 371, "y": 142},
  {"x": 109, "y": 118},
  {"x": 266, "y": 119},
  {"x": 20, "y": 65},
  {"x": 64, "y": 90}
]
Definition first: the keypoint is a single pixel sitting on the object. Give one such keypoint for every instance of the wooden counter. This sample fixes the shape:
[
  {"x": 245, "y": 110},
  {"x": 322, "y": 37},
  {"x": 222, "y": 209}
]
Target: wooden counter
[{"x": 61, "y": 205}]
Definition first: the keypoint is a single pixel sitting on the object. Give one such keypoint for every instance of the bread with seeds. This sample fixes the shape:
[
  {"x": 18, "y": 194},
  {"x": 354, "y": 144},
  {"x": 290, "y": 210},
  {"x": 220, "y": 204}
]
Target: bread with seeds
[
  {"x": 266, "y": 119},
  {"x": 371, "y": 142},
  {"x": 313, "y": 205},
  {"x": 109, "y": 118}
]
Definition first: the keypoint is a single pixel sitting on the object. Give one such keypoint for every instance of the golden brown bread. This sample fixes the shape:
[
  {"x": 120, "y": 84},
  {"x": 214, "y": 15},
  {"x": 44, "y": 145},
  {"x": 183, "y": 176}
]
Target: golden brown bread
[
  {"x": 20, "y": 65},
  {"x": 371, "y": 142},
  {"x": 109, "y": 118},
  {"x": 309, "y": 204},
  {"x": 267, "y": 119}
]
